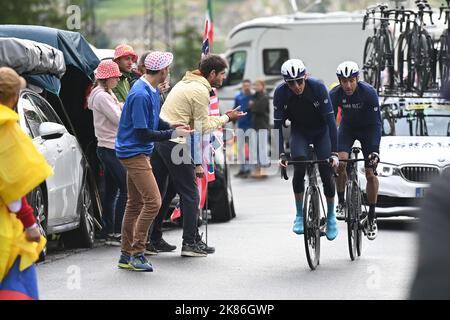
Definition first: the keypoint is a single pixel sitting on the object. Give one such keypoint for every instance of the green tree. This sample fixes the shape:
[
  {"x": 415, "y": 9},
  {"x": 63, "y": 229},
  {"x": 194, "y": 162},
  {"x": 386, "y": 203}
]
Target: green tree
[
  {"x": 53, "y": 13},
  {"x": 188, "y": 44}
]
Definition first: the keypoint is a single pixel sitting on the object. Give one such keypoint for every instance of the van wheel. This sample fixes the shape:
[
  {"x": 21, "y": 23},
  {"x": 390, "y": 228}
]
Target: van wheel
[
  {"x": 37, "y": 201},
  {"x": 84, "y": 236}
]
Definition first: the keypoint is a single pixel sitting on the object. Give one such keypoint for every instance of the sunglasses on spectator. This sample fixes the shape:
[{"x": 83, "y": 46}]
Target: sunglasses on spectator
[{"x": 299, "y": 82}]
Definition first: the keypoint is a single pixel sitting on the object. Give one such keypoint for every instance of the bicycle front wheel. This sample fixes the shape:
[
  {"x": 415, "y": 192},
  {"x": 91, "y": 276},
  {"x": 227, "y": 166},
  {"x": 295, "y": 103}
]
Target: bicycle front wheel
[
  {"x": 352, "y": 219},
  {"x": 311, "y": 223}
]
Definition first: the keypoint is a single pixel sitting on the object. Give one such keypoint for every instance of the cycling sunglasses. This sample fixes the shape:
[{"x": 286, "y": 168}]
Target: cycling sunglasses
[{"x": 299, "y": 81}]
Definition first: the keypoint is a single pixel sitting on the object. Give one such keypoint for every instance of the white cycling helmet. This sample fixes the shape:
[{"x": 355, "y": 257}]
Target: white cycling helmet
[
  {"x": 293, "y": 69},
  {"x": 347, "y": 69}
]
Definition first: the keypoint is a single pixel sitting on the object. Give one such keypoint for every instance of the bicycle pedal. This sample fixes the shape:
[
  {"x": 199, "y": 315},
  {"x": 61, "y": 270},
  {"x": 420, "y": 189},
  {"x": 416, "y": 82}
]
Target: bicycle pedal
[{"x": 322, "y": 230}]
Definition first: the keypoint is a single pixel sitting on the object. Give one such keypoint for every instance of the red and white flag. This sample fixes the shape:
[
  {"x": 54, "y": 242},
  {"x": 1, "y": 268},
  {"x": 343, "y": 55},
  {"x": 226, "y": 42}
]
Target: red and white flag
[{"x": 208, "y": 33}]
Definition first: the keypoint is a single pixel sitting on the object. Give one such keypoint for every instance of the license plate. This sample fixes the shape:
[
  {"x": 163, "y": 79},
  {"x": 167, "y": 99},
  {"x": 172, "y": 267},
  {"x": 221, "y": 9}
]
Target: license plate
[{"x": 420, "y": 192}]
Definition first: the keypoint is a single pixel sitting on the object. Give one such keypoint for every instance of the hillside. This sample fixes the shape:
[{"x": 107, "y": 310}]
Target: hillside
[{"x": 123, "y": 21}]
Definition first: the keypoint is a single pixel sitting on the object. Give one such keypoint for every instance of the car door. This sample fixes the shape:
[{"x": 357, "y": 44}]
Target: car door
[
  {"x": 68, "y": 163},
  {"x": 30, "y": 120}
]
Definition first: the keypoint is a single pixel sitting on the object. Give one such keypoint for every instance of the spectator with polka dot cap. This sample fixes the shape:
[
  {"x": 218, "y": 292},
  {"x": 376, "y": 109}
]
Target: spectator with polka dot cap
[{"x": 139, "y": 127}]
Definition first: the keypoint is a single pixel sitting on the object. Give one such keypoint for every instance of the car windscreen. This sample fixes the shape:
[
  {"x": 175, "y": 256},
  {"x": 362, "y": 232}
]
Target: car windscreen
[{"x": 415, "y": 120}]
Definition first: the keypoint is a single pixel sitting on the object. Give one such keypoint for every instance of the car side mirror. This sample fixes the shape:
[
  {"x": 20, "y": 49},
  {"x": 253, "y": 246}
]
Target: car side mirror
[{"x": 51, "y": 130}]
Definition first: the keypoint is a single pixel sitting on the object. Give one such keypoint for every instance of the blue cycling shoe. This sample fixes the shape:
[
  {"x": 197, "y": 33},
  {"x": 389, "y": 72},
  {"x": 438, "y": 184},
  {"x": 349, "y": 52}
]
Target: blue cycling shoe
[
  {"x": 332, "y": 230},
  {"x": 298, "y": 225}
]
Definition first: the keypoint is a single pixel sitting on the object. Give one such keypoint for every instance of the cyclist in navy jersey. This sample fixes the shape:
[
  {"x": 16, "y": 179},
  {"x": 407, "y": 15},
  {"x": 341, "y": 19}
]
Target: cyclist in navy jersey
[
  {"x": 361, "y": 120},
  {"x": 305, "y": 102}
]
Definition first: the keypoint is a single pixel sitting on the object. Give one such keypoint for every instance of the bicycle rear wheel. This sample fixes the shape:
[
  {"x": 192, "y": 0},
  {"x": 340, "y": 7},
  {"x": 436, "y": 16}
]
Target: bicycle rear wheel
[{"x": 311, "y": 222}]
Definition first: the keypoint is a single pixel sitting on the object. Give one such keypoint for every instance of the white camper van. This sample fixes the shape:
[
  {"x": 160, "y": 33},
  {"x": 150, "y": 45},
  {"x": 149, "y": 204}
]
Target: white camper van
[{"x": 257, "y": 48}]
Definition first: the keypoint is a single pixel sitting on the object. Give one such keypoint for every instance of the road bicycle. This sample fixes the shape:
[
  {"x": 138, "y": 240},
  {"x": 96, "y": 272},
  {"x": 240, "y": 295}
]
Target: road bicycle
[
  {"x": 416, "y": 56},
  {"x": 314, "y": 213},
  {"x": 379, "y": 48},
  {"x": 355, "y": 216}
]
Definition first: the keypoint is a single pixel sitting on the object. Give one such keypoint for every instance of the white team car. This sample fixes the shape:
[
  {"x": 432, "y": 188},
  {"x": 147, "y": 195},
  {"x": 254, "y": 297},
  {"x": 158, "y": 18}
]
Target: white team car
[
  {"x": 62, "y": 203},
  {"x": 414, "y": 150}
]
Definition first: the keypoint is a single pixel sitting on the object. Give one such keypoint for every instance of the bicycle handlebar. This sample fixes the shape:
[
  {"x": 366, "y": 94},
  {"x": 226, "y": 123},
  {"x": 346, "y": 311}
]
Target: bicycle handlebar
[
  {"x": 309, "y": 161},
  {"x": 354, "y": 160}
]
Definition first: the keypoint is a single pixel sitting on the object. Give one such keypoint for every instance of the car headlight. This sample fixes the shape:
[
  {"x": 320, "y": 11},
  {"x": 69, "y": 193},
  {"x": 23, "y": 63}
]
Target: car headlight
[{"x": 387, "y": 170}]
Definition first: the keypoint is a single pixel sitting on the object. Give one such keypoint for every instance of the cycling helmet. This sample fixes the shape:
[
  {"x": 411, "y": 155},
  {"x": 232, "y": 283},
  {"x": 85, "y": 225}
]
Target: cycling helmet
[
  {"x": 293, "y": 69},
  {"x": 347, "y": 69}
]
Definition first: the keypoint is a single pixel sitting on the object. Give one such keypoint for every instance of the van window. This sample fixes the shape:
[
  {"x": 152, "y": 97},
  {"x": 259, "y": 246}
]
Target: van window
[
  {"x": 273, "y": 59},
  {"x": 237, "y": 67}
]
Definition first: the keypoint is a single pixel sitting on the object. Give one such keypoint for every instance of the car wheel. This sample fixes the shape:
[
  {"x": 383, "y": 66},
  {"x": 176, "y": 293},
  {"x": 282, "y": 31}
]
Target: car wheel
[
  {"x": 84, "y": 236},
  {"x": 220, "y": 197},
  {"x": 38, "y": 202}
]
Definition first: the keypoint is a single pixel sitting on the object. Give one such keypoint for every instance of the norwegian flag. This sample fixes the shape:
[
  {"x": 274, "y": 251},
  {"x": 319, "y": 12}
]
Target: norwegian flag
[{"x": 208, "y": 34}]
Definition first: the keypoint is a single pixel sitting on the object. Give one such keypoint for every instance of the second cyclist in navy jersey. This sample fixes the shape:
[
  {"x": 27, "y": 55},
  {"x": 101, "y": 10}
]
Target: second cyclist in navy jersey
[{"x": 361, "y": 120}]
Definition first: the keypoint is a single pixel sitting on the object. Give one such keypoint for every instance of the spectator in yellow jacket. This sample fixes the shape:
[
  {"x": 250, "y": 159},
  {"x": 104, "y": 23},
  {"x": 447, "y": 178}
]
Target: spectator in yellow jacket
[{"x": 22, "y": 168}]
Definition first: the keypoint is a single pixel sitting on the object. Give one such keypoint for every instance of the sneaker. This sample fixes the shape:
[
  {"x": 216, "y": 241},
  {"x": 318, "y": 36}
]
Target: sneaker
[
  {"x": 140, "y": 263},
  {"x": 372, "y": 230},
  {"x": 202, "y": 245},
  {"x": 340, "y": 211},
  {"x": 150, "y": 249},
  {"x": 163, "y": 246},
  {"x": 113, "y": 240},
  {"x": 298, "y": 225},
  {"x": 239, "y": 174},
  {"x": 192, "y": 250},
  {"x": 100, "y": 236},
  {"x": 124, "y": 262},
  {"x": 245, "y": 175}
]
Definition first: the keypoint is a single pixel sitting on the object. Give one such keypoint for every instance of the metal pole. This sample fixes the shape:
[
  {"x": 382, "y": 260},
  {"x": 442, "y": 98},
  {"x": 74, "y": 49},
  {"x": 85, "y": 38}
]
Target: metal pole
[{"x": 152, "y": 24}]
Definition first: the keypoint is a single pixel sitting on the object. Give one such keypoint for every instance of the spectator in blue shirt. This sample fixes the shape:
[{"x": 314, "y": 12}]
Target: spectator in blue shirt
[{"x": 139, "y": 127}]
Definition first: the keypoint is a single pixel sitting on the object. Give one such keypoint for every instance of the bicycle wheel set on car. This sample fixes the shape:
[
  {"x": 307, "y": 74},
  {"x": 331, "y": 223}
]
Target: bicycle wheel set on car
[
  {"x": 444, "y": 58},
  {"x": 370, "y": 63},
  {"x": 415, "y": 69}
]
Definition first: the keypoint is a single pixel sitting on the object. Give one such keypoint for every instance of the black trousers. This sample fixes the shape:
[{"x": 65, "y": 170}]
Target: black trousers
[{"x": 185, "y": 184}]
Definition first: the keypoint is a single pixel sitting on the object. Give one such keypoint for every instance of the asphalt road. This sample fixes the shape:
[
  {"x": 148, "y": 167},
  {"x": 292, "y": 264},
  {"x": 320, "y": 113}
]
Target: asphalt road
[{"x": 257, "y": 257}]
